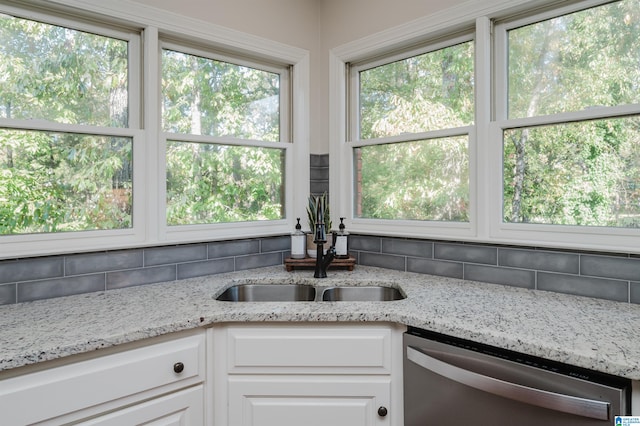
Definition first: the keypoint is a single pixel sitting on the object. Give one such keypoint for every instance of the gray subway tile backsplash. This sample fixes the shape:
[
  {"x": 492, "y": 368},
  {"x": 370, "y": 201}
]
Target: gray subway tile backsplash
[
  {"x": 415, "y": 248},
  {"x": 258, "y": 260},
  {"x": 614, "y": 276},
  {"x": 134, "y": 277},
  {"x": 31, "y": 269},
  {"x": 442, "y": 268},
  {"x": 319, "y": 174},
  {"x": 320, "y": 160},
  {"x": 496, "y": 275},
  {"x": 48, "y": 277},
  {"x": 47, "y": 289},
  {"x": 539, "y": 260},
  {"x": 282, "y": 243},
  {"x": 366, "y": 243},
  {"x": 102, "y": 262},
  {"x": 610, "y": 267},
  {"x": 175, "y": 254},
  {"x": 466, "y": 253},
  {"x": 207, "y": 267},
  {"x": 8, "y": 294},
  {"x": 397, "y": 263},
  {"x": 584, "y": 286},
  {"x": 233, "y": 248},
  {"x": 634, "y": 292}
]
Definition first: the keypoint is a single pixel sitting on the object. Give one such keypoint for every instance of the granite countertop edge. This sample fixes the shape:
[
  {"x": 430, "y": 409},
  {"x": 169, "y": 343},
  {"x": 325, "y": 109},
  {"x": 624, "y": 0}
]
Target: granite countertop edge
[{"x": 591, "y": 333}]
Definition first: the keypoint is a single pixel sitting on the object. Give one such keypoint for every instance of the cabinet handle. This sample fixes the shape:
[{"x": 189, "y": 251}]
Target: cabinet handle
[
  {"x": 382, "y": 411},
  {"x": 178, "y": 367}
]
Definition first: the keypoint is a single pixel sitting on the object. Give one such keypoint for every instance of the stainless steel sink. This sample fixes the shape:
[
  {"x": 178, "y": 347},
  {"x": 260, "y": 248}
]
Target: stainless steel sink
[
  {"x": 268, "y": 293},
  {"x": 361, "y": 294}
]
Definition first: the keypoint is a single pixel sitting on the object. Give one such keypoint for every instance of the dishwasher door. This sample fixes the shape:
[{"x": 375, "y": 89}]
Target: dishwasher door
[{"x": 471, "y": 384}]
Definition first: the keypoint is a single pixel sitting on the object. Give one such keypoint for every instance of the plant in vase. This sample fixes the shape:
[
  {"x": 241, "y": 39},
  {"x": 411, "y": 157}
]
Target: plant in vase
[{"x": 322, "y": 202}]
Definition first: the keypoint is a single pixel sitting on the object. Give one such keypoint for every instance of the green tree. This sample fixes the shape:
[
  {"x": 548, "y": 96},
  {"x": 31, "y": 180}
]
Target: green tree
[
  {"x": 62, "y": 181},
  {"x": 421, "y": 179},
  {"x": 213, "y": 183},
  {"x": 581, "y": 173}
]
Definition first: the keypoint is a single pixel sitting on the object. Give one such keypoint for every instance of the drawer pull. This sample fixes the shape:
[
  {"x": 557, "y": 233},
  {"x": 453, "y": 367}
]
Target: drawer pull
[
  {"x": 382, "y": 411},
  {"x": 178, "y": 367}
]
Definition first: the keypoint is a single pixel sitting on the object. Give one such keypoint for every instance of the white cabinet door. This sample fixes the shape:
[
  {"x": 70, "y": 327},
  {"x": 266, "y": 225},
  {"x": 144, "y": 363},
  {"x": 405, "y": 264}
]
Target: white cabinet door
[
  {"x": 308, "y": 401},
  {"x": 183, "y": 408},
  {"x": 88, "y": 388},
  {"x": 301, "y": 374}
]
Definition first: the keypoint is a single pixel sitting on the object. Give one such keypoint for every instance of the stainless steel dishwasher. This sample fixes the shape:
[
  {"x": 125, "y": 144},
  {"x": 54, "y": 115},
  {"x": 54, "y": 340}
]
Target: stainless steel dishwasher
[{"x": 454, "y": 381}]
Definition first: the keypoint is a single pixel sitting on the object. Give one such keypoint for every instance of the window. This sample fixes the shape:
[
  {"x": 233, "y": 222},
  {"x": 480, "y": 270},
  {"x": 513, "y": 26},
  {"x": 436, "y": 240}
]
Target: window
[
  {"x": 569, "y": 115},
  {"x": 226, "y": 130},
  {"x": 411, "y": 141},
  {"x": 66, "y": 154},
  {"x": 114, "y": 137},
  {"x": 527, "y": 130}
]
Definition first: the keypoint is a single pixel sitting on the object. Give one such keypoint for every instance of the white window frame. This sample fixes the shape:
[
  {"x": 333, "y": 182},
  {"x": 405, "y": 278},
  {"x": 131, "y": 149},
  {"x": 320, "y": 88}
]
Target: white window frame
[
  {"x": 350, "y": 140},
  {"x": 436, "y": 228},
  {"x": 28, "y": 244},
  {"x": 227, "y": 229},
  {"x": 149, "y": 223},
  {"x": 485, "y": 152},
  {"x": 581, "y": 237}
]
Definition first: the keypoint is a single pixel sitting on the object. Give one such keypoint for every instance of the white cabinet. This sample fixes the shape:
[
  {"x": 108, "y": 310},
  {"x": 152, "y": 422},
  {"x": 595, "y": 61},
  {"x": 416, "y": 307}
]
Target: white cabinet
[
  {"x": 182, "y": 408},
  {"x": 308, "y": 401},
  {"x": 307, "y": 374},
  {"x": 122, "y": 384}
]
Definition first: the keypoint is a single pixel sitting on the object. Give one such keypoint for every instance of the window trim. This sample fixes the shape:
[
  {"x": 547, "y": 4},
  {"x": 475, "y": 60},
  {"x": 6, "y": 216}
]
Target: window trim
[
  {"x": 582, "y": 237},
  {"x": 486, "y": 182},
  {"x": 192, "y": 232},
  {"x": 154, "y": 25},
  {"x": 39, "y": 243},
  {"x": 426, "y": 228}
]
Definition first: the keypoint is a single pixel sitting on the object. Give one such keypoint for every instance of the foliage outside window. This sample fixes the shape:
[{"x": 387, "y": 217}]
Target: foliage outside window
[
  {"x": 69, "y": 180},
  {"x": 419, "y": 174},
  {"x": 586, "y": 171},
  {"x": 210, "y": 181}
]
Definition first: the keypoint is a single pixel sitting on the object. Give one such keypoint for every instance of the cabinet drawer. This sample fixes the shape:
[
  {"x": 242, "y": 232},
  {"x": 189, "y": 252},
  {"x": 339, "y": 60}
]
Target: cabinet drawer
[
  {"x": 185, "y": 407},
  {"x": 308, "y": 349},
  {"x": 61, "y": 390}
]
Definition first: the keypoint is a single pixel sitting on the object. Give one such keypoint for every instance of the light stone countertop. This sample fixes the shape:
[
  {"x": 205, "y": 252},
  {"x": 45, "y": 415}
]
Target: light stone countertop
[{"x": 585, "y": 332}]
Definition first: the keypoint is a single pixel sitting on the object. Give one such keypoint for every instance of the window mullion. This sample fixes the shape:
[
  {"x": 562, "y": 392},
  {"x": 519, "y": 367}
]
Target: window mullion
[
  {"x": 152, "y": 164},
  {"x": 570, "y": 117},
  {"x": 479, "y": 188},
  {"x": 408, "y": 137}
]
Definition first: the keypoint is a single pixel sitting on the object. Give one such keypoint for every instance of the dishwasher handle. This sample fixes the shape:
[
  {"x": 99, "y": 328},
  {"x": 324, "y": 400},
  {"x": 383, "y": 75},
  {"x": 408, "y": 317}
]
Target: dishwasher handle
[{"x": 555, "y": 401}]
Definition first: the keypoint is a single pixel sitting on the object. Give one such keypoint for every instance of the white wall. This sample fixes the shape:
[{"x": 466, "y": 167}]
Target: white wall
[
  {"x": 294, "y": 22},
  {"x": 315, "y": 25},
  {"x": 343, "y": 21}
]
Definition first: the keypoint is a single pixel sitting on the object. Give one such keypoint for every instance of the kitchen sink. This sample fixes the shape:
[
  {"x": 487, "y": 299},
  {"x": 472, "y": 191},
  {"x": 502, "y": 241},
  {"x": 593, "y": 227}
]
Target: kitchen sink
[
  {"x": 268, "y": 293},
  {"x": 361, "y": 294}
]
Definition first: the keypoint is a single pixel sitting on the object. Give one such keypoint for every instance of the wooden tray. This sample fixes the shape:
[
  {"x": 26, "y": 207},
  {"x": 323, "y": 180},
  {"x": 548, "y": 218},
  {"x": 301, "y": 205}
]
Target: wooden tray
[{"x": 310, "y": 262}]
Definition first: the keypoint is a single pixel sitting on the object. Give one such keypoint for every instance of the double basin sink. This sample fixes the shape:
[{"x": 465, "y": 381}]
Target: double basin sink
[{"x": 308, "y": 293}]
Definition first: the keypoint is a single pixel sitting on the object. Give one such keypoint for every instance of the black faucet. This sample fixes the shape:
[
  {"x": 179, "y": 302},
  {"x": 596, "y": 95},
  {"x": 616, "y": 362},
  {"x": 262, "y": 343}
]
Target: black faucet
[
  {"x": 323, "y": 260},
  {"x": 320, "y": 237}
]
